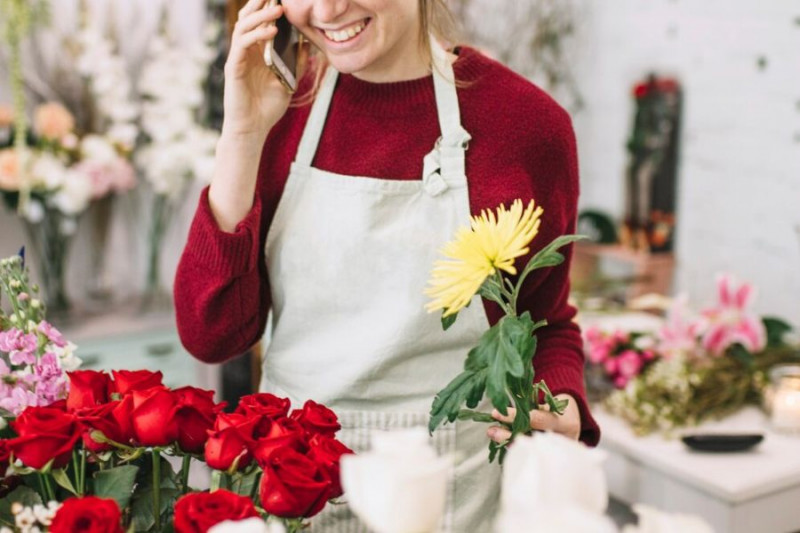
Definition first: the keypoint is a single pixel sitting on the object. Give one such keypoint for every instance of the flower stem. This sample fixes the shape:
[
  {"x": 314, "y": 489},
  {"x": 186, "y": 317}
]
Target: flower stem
[
  {"x": 185, "y": 466},
  {"x": 157, "y": 488},
  {"x": 48, "y": 487},
  {"x": 82, "y": 487}
]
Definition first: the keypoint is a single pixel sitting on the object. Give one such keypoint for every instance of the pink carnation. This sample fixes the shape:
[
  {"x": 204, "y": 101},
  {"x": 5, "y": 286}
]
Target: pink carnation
[{"x": 49, "y": 331}]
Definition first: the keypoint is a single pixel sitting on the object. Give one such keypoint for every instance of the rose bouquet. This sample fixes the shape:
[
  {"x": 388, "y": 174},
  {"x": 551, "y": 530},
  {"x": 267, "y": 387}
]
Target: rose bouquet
[
  {"x": 502, "y": 363},
  {"x": 706, "y": 365},
  {"x": 113, "y": 434}
]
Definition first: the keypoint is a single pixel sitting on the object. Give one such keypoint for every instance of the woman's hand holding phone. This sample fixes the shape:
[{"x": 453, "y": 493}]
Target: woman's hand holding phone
[
  {"x": 254, "y": 101},
  {"x": 254, "y": 98}
]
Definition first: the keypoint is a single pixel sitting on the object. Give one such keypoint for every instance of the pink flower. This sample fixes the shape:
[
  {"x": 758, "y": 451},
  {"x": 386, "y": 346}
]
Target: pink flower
[
  {"x": 620, "y": 381},
  {"x": 679, "y": 335},
  {"x": 115, "y": 175},
  {"x": 629, "y": 364},
  {"x": 731, "y": 322},
  {"x": 598, "y": 346},
  {"x": 20, "y": 346},
  {"x": 51, "y": 333}
]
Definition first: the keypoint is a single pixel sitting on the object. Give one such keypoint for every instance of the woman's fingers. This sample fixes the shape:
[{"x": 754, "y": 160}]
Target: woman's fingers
[
  {"x": 249, "y": 7},
  {"x": 258, "y": 35},
  {"x": 540, "y": 419},
  {"x": 256, "y": 19},
  {"x": 498, "y": 434}
]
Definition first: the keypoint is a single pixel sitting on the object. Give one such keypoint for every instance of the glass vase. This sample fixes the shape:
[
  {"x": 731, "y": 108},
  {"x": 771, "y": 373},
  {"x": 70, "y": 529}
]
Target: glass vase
[
  {"x": 156, "y": 297},
  {"x": 98, "y": 284},
  {"x": 50, "y": 240}
]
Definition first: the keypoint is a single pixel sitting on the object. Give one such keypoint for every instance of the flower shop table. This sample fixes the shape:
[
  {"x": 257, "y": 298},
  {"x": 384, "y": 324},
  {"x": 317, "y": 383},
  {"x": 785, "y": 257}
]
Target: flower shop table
[{"x": 757, "y": 490}]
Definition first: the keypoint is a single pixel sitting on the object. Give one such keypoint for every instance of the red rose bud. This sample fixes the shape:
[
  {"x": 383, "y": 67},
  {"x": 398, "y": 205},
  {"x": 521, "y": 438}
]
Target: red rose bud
[
  {"x": 230, "y": 441},
  {"x": 126, "y": 381},
  {"x": 194, "y": 417},
  {"x": 327, "y": 452},
  {"x": 264, "y": 404},
  {"x": 317, "y": 418},
  {"x": 293, "y": 486},
  {"x": 198, "y": 512},
  {"x": 153, "y": 417},
  {"x": 101, "y": 418},
  {"x": 89, "y": 514},
  {"x": 283, "y": 433},
  {"x": 44, "y": 434},
  {"x": 87, "y": 388}
]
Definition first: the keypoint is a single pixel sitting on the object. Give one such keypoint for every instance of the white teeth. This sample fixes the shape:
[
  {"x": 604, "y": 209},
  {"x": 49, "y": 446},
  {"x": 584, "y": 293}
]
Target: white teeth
[{"x": 345, "y": 34}]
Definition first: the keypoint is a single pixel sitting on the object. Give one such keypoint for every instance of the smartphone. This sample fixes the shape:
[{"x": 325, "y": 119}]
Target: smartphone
[{"x": 285, "y": 54}]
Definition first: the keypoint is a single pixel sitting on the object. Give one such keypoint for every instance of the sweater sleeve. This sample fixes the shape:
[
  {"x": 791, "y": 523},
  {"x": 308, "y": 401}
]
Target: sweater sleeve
[
  {"x": 559, "y": 360},
  {"x": 221, "y": 300}
]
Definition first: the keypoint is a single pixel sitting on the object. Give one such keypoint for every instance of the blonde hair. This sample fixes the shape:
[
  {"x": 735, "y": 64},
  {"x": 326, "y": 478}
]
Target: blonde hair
[{"x": 435, "y": 19}]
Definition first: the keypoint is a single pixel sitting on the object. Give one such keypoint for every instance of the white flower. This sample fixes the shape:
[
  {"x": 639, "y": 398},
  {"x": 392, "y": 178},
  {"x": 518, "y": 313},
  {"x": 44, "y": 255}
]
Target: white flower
[
  {"x": 400, "y": 486},
  {"x": 66, "y": 356},
  {"x": 98, "y": 148},
  {"x": 74, "y": 194},
  {"x": 34, "y": 211},
  {"x": 48, "y": 172},
  {"x": 250, "y": 525},
  {"x": 654, "y": 521},
  {"x": 551, "y": 470}
]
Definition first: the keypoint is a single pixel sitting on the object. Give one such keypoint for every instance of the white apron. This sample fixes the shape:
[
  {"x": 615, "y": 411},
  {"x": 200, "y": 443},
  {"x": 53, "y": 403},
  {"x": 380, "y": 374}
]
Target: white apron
[{"x": 348, "y": 258}]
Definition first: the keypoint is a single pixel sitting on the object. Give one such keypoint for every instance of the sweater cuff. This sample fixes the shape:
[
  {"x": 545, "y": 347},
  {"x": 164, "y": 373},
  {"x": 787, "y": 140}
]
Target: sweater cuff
[
  {"x": 567, "y": 380},
  {"x": 219, "y": 252}
]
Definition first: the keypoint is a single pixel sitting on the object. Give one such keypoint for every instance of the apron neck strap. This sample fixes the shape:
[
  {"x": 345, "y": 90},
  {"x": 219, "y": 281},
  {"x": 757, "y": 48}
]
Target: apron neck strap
[{"x": 454, "y": 137}]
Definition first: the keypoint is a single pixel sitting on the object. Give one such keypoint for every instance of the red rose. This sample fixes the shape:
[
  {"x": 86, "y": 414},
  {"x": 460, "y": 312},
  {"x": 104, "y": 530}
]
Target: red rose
[
  {"x": 292, "y": 485},
  {"x": 231, "y": 438},
  {"x": 194, "y": 417},
  {"x": 87, "y": 388},
  {"x": 317, "y": 418},
  {"x": 265, "y": 404},
  {"x": 198, "y": 512},
  {"x": 641, "y": 90},
  {"x": 126, "y": 381},
  {"x": 283, "y": 432},
  {"x": 327, "y": 452},
  {"x": 45, "y": 433},
  {"x": 111, "y": 419},
  {"x": 153, "y": 417},
  {"x": 90, "y": 514}
]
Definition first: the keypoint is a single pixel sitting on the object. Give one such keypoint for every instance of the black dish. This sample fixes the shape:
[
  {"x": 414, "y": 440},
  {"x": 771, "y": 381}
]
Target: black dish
[{"x": 715, "y": 442}]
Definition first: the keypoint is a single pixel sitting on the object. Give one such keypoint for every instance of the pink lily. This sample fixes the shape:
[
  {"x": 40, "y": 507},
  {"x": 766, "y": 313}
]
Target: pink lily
[
  {"x": 731, "y": 321},
  {"x": 678, "y": 336}
]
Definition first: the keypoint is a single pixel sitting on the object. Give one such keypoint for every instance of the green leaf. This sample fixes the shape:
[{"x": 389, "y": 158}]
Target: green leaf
[
  {"x": 741, "y": 354},
  {"x": 466, "y": 386},
  {"x": 776, "y": 329},
  {"x": 63, "y": 480},
  {"x": 549, "y": 256},
  {"x": 22, "y": 494},
  {"x": 448, "y": 321},
  {"x": 244, "y": 483},
  {"x": 480, "y": 357},
  {"x": 116, "y": 484},
  {"x": 142, "y": 507},
  {"x": 475, "y": 416}
]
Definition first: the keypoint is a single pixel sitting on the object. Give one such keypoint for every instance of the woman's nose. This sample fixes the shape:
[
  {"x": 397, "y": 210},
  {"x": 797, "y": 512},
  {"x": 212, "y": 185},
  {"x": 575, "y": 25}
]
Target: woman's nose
[{"x": 326, "y": 11}]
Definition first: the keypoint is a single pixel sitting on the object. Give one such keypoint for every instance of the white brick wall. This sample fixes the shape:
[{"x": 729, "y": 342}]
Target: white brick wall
[{"x": 739, "y": 198}]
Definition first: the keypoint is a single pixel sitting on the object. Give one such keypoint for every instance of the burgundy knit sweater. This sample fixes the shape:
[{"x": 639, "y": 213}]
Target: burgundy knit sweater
[{"x": 522, "y": 146}]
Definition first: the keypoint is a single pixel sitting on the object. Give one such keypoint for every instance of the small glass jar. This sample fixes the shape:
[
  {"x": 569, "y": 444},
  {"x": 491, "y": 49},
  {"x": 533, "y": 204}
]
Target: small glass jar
[{"x": 783, "y": 398}]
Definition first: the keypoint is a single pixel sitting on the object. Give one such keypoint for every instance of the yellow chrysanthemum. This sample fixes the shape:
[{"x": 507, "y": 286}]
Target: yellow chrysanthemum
[{"x": 492, "y": 243}]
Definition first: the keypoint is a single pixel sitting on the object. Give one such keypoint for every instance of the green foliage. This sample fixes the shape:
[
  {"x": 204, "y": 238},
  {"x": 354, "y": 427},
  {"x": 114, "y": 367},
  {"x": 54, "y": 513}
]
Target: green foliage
[
  {"x": 142, "y": 516},
  {"x": 776, "y": 330},
  {"x": 116, "y": 484},
  {"x": 22, "y": 494}
]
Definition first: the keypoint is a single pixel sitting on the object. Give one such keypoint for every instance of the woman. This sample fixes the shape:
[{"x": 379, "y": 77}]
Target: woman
[{"x": 336, "y": 229}]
